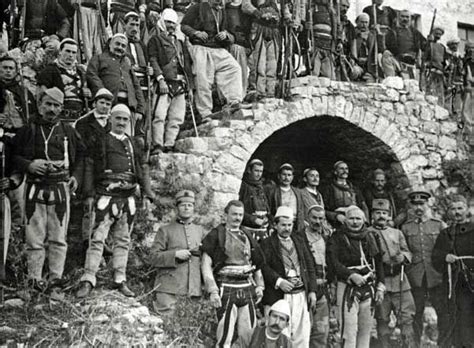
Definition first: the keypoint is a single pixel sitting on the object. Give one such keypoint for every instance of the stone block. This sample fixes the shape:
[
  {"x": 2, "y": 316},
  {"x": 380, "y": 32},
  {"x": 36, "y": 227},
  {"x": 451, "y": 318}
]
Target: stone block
[
  {"x": 430, "y": 139},
  {"x": 219, "y": 200},
  {"x": 324, "y": 82},
  {"x": 320, "y": 106},
  {"x": 441, "y": 113},
  {"x": 430, "y": 173},
  {"x": 220, "y": 132},
  {"x": 434, "y": 159},
  {"x": 230, "y": 164},
  {"x": 415, "y": 162},
  {"x": 393, "y": 82},
  {"x": 193, "y": 145},
  {"x": 449, "y": 155},
  {"x": 219, "y": 143},
  {"x": 447, "y": 143},
  {"x": 357, "y": 115},
  {"x": 430, "y": 127},
  {"x": 368, "y": 122},
  {"x": 381, "y": 126},
  {"x": 240, "y": 153},
  {"x": 449, "y": 127},
  {"x": 431, "y": 99},
  {"x": 247, "y": 142},
  {"x": 391, "y": 135},
  {"x": 221, "y": 182}
]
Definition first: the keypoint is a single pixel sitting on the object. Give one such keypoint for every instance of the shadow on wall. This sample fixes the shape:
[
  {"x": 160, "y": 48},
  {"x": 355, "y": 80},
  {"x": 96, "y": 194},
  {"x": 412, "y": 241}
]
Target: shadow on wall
[{"x": 321, "y": 141}]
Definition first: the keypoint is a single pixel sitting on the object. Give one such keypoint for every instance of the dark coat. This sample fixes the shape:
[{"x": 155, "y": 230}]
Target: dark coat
[
  {"x": 273, "y": 194},
  {"x": 50, "y": 77},
  {"x": 105, "y": 71},
  {"x": 274, "y": 267},
  {"x": 199, "y": 17},
  {"x": 164, "y": 58},
  {"x": 214, "y": 245},
  {"x": 95, "y": 166},
  {"x": 254, "y": 199},
  {"x": 259, "y": 337}
]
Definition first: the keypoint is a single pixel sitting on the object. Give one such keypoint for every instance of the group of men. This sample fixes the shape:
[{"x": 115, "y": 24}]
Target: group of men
[{"x": 262, "y": 259}]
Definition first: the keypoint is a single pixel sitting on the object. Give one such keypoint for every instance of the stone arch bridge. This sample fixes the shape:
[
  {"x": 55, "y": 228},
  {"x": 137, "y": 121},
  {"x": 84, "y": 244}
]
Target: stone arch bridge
[{"x": 391, "y": 125}]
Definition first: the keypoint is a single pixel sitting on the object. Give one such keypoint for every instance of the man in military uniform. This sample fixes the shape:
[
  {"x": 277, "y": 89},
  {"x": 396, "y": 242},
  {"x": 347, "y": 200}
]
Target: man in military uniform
[
  {"x": 453, "y": 256},
  {"x": 50, "y": 153},
  {"x": 117, "y": 167},
  {"x": 231, "y": 269},
  {"x": 378, "y": 190},
  {"x": 93, "y": 127},
  {"x": 398, "y": 297},
  {"x": 176, "y": 256},
  {"x": 340, "y": 194},
  {"x": 256, "y": 207},
  {"x": 434, "y": 58},
  {"x": 421, "y": 232}
]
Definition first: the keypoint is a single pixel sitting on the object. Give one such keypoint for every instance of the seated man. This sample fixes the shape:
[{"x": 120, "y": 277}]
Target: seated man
[{"x": 205, "y": 24}]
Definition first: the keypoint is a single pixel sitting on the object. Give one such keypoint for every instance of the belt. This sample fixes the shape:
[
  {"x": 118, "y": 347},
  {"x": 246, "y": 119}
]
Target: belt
[
  {"x": 50, "y": 178},
  {"x": 234, "y": 283}
]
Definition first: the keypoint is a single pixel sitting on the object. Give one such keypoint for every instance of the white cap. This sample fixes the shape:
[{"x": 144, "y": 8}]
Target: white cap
[
  {"x": 281, "y": 306},
  {"x": 286, "y": 212},
  {"x": 169, "y": 14},
  {"x": 120, "y": 109}
]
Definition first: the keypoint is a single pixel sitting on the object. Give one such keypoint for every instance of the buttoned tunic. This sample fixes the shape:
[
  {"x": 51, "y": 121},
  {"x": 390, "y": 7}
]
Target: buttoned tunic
[
  {"x": 175, "y": 276},
  {"x": 421, "y": 234}
]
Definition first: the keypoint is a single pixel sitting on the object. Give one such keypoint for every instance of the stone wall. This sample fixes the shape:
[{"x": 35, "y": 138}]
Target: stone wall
[{"x": 417, "y": 133}]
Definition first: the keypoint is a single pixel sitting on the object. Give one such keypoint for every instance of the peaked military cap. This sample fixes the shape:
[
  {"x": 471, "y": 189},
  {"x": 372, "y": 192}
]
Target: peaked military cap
[
  {"x": 381, "y": 204},
  {"x": 184, "y": 196},
  {"x": 419, "y": 196}
]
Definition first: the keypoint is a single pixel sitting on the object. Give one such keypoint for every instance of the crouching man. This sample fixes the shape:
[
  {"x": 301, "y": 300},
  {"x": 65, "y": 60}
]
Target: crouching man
[
  {"x": 231, "y": 263},
  {"x": 118, "y": 168}
]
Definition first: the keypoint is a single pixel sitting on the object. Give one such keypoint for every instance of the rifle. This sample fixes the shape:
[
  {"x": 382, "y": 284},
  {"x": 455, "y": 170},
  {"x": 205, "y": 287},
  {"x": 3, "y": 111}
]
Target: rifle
[
  {"x": 376, "y": 44},
  {"x": 80, "y": 41},
  {"x": 310, "y": 38},
  {"x": 25, "y": 93},
  {"x": 22, "y": 23},
  {"x": 343, "y": 62},
  {"x": 4, "y": 232},
  {"x": 11, "y": 24},
  {"x": 423, "y": 65},
  {"x": 148, "y": 116}
]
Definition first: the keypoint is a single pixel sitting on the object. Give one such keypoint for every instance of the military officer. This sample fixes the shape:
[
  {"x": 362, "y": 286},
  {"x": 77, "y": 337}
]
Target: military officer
[{"x": 421, "y": 232}]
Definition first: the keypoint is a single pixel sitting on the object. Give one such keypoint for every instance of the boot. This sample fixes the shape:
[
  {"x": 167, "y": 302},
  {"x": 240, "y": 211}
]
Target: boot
[
  {"x": 84, "y": 289},
  {"x": 124, "y": 289}
]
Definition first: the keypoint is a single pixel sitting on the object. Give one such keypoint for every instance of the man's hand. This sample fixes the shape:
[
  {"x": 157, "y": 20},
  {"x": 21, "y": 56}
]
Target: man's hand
[
  {"x": 379, "y": 296},
  {"x": 86, "y": 92},
  {"x": 38, "y": 167},
  {"x": 4, "y": 184},
  {"x": 399, "y": 258},
  {"x": 285, "y": 285},
  {"x": 147, "y": 203},
  {"x": 357, "y": 279},
  {"x": 72, "y": 184},
  {"x": 215, "y": 300},
  {"x": 163, "y": 86},
  {"x": 222, "y": 35},
  {"x": 183, "y": 254},
  {"x": 450, "y": 258},
  {"x": 149, "y": 71},
  {"x": 138, "y": 116},
  {"x": 341, "y": 218},
  {"x": 259, "y": 293},
  {"x": 312, "y": 301},
  {"x": 259, "y": 221},
  {"x": 201, "y": 35}
]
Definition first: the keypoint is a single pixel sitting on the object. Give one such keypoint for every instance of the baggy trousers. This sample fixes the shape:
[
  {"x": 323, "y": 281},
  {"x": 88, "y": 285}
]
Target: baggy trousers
[
  {"x": 215, "y": 65},
  {"x": 355, "y": 320},
  {"x": 237, "y": 310},
  {"x": 113, "y": 215},
  {"x": 6, "y": 229},
  {"x": 263, "y": 67},
  {"x": 46, "y": 225},
  {"x": 405, "y": 312},
  {"x": 168, "y": 117},
  {"x": 240, "y": 55},
  {"x": 92, "y": 31},
  {"x": 320, "y": 324}
]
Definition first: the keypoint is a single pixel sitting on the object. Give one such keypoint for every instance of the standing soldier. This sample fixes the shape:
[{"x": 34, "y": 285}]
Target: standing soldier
[
  {"x": 266, "y": 40},
  {"x": 315, "y": 238},
  {"x": 378, "y": 190},
  {"x": 171, "y": 62},
  {"x": 117, "y": 168},
  {"x": 175, "y": 253},
  {"x": 231, "y": 269},
  {"x": 252, "y": 195},
  {"x": 354, "y": 255},
  {"x": 50, "y": 153},
  {"x": 453, "y": 256},
  {"x": 420, "y": 233},
  {"x": 43, "y": 18},
  {"x": 455, "y": 81},
  {"x": 386, "y": 16},
  {"x": 119, "y": 9},
  {"x": 5, "y": 216},
  {"x": 340, "y": 194},
  {"x": 434, "y": 58},
  {"x": 468, "y": 101},
  {"x": 113, "y": 70},
  {"x": 398, "y": 297},
  {"x": 92, "y": 128},
  {"x": 65, "y": 74},
  {"x": 287, "y": 195},
  {"x": 289, "y": 274}
]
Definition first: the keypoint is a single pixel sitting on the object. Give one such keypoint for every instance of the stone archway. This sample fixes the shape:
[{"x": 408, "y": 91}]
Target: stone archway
[{"x": 409, "y": 126}]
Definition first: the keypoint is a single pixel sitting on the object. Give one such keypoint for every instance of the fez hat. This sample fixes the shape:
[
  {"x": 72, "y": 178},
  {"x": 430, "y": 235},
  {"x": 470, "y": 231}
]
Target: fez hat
[
  {"x": 419, "y": 196},
  {"x": 454, "y": 40},
  {"x": 315, "y": 206},
  {"x": 131, "y": 14},
  {"x": 184, "y": 196},
  {"x": 104, "y": 93},
  {"x": 284, "y": 211},
  {"x": 457, "y": 198},
  {"x": 170, "y": 15},
  {"x": 67, "y": 41},
  {"x": 381, "y": 204},
  {"x": 255, "y": 161},
  {"x": 307, "y": 170},
  {"x": 281, "y": 306},
  {"x": 120, "y": 109},
  {"x": 338, "y": 163},
  {"x": 286, "y": 166}
]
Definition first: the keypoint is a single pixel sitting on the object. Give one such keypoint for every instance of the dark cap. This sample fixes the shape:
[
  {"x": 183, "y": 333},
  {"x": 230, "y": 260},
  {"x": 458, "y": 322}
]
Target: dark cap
[
  {"x": 381, "y": 204},
  {"x": 419, "y": 196}
]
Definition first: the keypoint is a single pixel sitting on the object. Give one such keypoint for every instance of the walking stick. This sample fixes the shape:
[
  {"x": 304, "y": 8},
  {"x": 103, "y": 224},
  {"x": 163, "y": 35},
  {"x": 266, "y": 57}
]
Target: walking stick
[{"x": 376, "y": 44}]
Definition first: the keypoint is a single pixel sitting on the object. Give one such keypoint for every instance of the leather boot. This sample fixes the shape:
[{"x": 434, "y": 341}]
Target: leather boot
[
  {"x": 84, "y": 289},
  {"x": 124, "y": 289}
]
